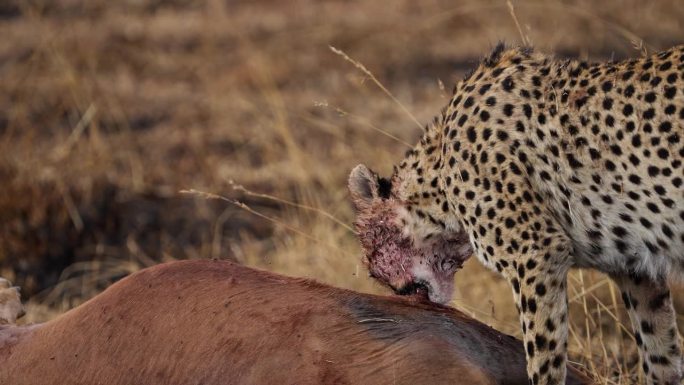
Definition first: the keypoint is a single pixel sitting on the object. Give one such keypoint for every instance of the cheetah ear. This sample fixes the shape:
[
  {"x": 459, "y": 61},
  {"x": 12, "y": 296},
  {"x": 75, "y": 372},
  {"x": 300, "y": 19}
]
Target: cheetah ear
[{"x": 363, "y": 186}]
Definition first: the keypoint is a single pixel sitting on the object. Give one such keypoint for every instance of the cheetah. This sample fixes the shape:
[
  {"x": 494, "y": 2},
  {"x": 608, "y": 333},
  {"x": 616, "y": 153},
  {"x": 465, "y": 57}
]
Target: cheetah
[{"x": 538, "y": 165}]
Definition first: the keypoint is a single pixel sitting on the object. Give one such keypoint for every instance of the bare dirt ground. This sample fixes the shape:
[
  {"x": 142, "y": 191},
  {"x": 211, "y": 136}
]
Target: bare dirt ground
[{"x": 109, "y": 109}]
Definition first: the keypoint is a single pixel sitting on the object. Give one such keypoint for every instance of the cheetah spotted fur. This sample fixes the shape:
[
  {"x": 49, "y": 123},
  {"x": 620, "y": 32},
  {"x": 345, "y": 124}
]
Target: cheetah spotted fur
[{"x": 543, "y": 165}]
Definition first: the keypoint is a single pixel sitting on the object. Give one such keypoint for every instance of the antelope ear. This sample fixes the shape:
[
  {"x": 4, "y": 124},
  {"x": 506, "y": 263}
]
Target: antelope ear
[{"x": 363, "y": 186}]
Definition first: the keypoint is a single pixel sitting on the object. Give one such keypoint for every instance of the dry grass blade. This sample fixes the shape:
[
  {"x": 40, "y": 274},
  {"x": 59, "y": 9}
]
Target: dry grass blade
[
  {"x": 81, "y": 280},
  {"x": 364, "y": 122},
  {"x": 62, "y": 151},
  {"x": 241, "y": 205},
  {"x": 630, "y": 36},
  {"x": 588, "y": 330},
  {"x": 70, "y": 206},
  {"x": 244, "y": 190},
  {"x": 524, "y": 38},
  {"x": 375, "y": 80}
]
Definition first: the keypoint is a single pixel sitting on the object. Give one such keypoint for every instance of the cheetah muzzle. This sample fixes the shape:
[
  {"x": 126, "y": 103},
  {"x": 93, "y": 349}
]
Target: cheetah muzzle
[{"x": 424, "y": 269}]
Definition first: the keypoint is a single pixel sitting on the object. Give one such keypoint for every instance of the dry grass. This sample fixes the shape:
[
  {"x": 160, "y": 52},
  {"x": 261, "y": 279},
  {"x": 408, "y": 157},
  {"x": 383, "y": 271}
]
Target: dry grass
[{"x": 109, "y": 109}]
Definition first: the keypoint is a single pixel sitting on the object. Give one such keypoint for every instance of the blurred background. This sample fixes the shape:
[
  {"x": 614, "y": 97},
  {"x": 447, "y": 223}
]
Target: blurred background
[{"x": 108, "y": 109}]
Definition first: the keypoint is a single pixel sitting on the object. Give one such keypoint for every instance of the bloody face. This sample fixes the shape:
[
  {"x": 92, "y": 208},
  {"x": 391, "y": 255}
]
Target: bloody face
[{"x": 393, "y": 256}]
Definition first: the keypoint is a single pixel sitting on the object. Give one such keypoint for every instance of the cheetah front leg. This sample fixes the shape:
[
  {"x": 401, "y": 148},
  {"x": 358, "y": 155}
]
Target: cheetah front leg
[
  {"x": 655, "y": 329},
  {"x": 531, "y": 251},
  {"x": 539, "y": 288}
]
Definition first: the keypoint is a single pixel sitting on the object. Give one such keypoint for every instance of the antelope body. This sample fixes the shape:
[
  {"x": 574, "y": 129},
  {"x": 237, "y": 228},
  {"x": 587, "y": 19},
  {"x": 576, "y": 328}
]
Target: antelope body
[{"x": 215, "y": 322}]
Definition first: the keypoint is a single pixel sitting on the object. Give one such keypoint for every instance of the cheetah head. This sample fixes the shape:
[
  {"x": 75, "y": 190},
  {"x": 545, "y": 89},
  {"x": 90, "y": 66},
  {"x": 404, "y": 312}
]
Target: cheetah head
[{"x": 393, "y": 255}]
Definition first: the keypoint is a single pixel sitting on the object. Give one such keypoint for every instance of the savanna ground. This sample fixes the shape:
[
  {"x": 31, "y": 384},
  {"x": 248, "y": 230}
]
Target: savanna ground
[{"x": 109, "y": 109}]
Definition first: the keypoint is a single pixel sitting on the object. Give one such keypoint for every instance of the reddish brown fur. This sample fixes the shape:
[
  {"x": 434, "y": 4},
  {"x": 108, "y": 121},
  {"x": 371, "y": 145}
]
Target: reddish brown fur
[{"x": 213, "y": 322}]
